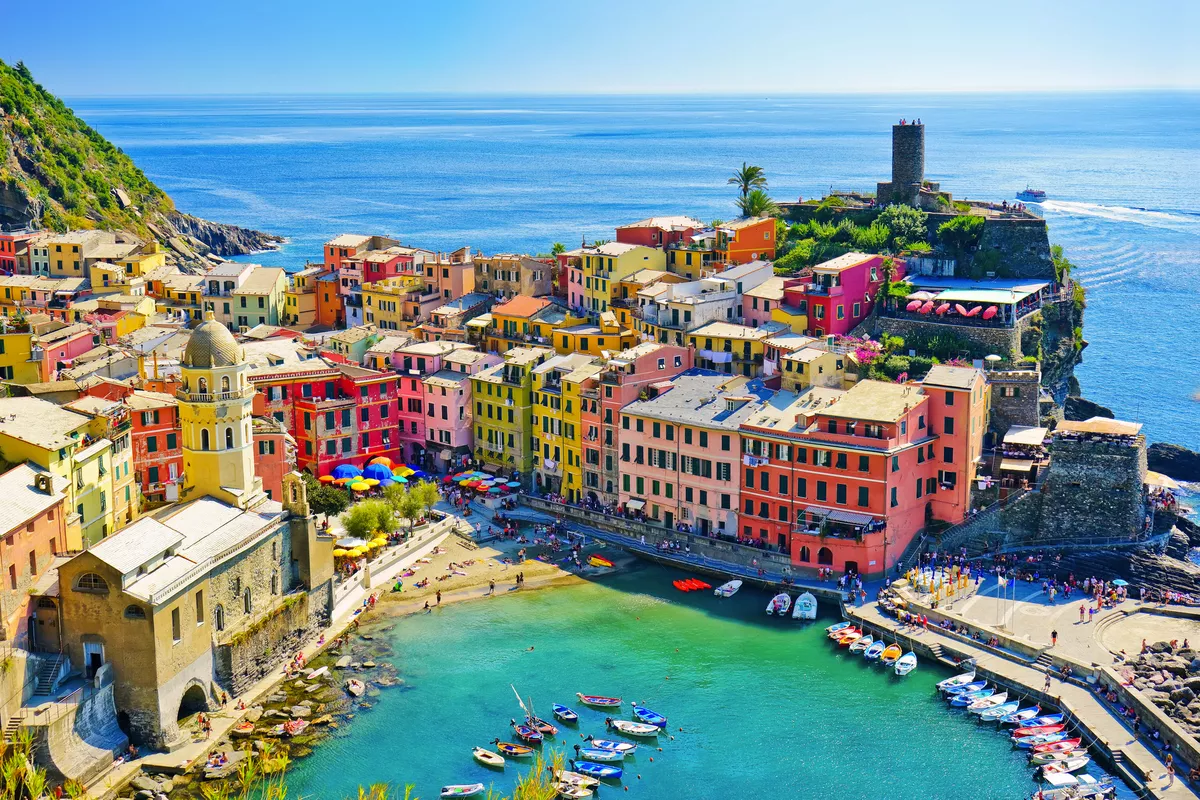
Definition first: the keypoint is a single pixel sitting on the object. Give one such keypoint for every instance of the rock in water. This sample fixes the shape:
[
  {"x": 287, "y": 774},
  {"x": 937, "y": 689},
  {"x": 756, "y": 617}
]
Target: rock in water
[
  {"x": 1171, "y": 459},
  {"x": 343, "y": 662}
]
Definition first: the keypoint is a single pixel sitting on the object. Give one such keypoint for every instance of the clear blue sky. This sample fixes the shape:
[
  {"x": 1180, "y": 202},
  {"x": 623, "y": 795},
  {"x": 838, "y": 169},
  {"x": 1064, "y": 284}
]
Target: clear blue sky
[{"x": 126, "y": 47}]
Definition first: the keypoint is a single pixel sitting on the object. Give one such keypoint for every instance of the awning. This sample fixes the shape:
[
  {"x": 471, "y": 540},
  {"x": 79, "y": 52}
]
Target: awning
[
  {"x": 1024, "y": 434},
  {"x": 635, "y": 505},
  {"x": 492, "y": 468},
  {"x": 1015, "y": 465},
  {"x": 1158, "y": 479},
  {"x": 837, "y": 515},
  {"x": 446, "y": 455}
]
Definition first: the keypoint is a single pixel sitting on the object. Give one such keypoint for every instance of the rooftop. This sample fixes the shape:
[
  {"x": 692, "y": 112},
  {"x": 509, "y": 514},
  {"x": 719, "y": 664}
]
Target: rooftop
[
  {"x": 96, "y": 406},
  {"x": 875, "y": 401},
  {"x": 355, "y": 334},
  {"x": 350, "y": 240},
  {"x": 38, "y": 422},
  {"x": 22, "y": 499},
  {"x": 788, "y": 412},
  {"x": 466, "y": 355},
  {"x": 144, "y": 401},
  {"x": 521, "y": 306},
  {"x": 229, "y": 269},
  {"x": 464, "y": 303},
  {"x": 706, "y": 398},
  {"x": 609, "y": 249},
  {"x": 947, "y": 377},
  {"x": 741, "y": 222},
  {"x": 842, "y": 262},
  {"x": 674, "y": 223},
  {"x": 1101, "y": 426},
  {"x": 263, "y": 280},
  {"x": 770, "y": 289},
  {"x": 729, "y": 330},
  {"x": 1025, "y": 434},
  {"x": 526, "y": 355},
  {"x": 447, "y": 378}
]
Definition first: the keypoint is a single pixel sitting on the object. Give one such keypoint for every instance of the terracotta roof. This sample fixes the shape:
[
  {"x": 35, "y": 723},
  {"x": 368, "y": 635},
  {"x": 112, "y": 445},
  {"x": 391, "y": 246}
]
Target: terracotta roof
[{"x": 521, "y": 306}]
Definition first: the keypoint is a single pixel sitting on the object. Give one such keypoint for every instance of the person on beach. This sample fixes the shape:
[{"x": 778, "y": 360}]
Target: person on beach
[
  {"x": 439, "y": 597},
  {"x": 1053, "y": 638},
  {"x": 427, "y": 608},
  {"x": 1046, "y": 688},
  {"x": 491, "y": 587}
]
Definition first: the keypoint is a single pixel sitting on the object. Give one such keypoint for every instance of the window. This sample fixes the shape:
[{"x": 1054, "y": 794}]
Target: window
[
  {"x": 151, "y": 444},
  {"x": 895, "y": 501},
  {"x": 229, "y": 438},
  {"x": 949, "y": 398},
  {"x": 949, "y": 425},
  {"x": 172, "y": 441},
  {"x": 841, "y": 461},
  {"x": 801, "y": 487},
  {"x": 840, "y": 494},
  {"x": 247, "y": 603},
  {"x": 135, "y": 612},
  {"x": 895, "y": 463},
  {"x": 203, "y": 438},
  {"x": 864, "y": 463},
  {"x": 822, "y": 490},
  {"x": 864, "y": 497},
  {"x": 176, "y": 631},
  {"x": 91, "y": 582},
  {"x": 704, "y": 438},
  {"x": 749, "y": 479},
  {"x": 948, "y": 455},
  {"x": 200, "y": 607}
]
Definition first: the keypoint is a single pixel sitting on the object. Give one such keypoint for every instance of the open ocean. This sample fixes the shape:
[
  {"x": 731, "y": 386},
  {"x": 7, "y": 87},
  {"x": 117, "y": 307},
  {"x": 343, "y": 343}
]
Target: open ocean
[{"x": 1122, "y": 171}]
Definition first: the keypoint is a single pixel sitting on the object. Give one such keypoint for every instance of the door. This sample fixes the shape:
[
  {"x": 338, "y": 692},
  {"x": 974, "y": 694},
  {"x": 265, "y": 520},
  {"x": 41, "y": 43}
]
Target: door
[
  {"x": 705, "y": 527},
  {"x": 669, "y": 520},
  {"x": 93, "y": 657}
]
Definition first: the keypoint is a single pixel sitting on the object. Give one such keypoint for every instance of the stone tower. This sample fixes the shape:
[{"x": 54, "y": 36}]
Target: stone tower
[
  {"x": 908, "y": 166},
  {"x": 215, "y": 417}
]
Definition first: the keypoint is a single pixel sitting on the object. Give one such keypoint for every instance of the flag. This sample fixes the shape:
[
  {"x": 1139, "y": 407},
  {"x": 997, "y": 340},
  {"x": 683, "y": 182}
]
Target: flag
[{"x": 1003, "y": 581}]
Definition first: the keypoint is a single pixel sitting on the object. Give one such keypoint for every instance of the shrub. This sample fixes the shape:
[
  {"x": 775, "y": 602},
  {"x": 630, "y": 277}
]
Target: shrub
[
  {"x": 906, "y": 225},
  {"x": 361, "y": 520},
  {"x": 961, "y": 234}
]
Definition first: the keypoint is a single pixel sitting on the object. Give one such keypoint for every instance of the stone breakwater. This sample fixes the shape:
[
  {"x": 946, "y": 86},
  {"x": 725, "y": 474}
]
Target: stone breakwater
[{"x": 1170, "y": 680}]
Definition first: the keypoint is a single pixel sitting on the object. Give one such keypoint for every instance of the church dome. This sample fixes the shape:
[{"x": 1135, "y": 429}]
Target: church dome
[{"x": 211, "y": 345}]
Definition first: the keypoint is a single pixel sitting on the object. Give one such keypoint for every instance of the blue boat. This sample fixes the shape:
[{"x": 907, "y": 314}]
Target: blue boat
[
  {"x": 1026, "y": 742},
  {"x": 564, "y": 714},
  {"x": 597, "y": 754},
  {"x": 964, "y": 700},
  {"x": 966, "y": 687},
  {"x": 594, "y": 770},
  {"x": 1049, "y": 719},
  {"x": 645, "y": 715},
  {"x": 1019, "y": 717},
  {"x": 874, "y": 651},
  {"x": 996, "y": 712},
  {"x": 611, "y": 744}
]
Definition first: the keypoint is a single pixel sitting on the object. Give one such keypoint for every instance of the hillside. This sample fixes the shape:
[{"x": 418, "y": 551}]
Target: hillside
[{"x": 57, "y": 172}]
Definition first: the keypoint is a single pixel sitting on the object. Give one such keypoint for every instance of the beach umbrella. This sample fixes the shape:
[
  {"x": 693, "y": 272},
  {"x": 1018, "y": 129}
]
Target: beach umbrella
[
  {"x": 1120, "y": 582},
  {"x": 975, "y": 311},
  {"x": 921, "y": 295},
  {"x": 342, "y": 481},
  {"x": 514, "y": 484},
  {"x": 327, "y": 479},
  {"x": 495, "y": 490},
  {"x": 384, "y": 460},
  {"x": 350, "y": 542},
  {"x": 926, "y": 307},
  {"x": 942, "y": 309},
  {"x": 420, "y": 474},
  {"x": 960, "y": 309},
  {"x": 346, "y": 471},
  {"x": 360, "y": 486},
  {"x": 377, "y": 471},
  {"x": 481, "y": 489},
  {"x": 399, "y": 480},
  {"x": 339, "y": 553},
  {"x": 913, "y": 305},
  {"x": 447, "y": 479},
  {"x": 406, "y": 472},
  {"x": 386, "y": 482},
  {"x": 990, "y": 312},
  {"x": 371, "y": 481}
]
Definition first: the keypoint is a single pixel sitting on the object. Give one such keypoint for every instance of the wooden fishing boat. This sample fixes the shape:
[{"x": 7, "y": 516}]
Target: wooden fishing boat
[
  {"x": 849, "y": 639},
  {"x": 891, "y": 654},
  {"x": 645, "y": 715},
  {"x": 462, "y": 790},
  {"x": 564, "y": 714},
  {"x": 597, "y": 754},
  {"x": 541, "y": 726},
  {"x": 806, "y": 607},
  {"x": 984, "y": 703},
  {"x": 1021, "y": 715},
  {"x": 570, "y": 792},
  {"x": 594, "y": 770},
  {"x": 632, "y": 728},
  {"x": 958, "y": 680},
  {"x": 599, "y": 561},
  {"x": 862, "y": 644},
  {"x": 575, "y": 778},
  {"x": 874, "y": 651},
  {"x": 598, "y": 701},
  {"x": 1039, "y": 739},
  {"x": 242, "y": 730},
  {"x": 840, "y": 632},
  {"x": 526, "y": 733},
  {"x": 837, "y": 626},
  {"x": 996, "y": 712},
  {"x": 612, "y": 744},
  {"x": 966, "y": 698},
  {"x": 513, "y": 750},
  {"x": 728, "y": 589},
  {"x": 780, "y": 604},
  {"x": 1073, "y": 764},
  {"x": 1057, "y": 746},
  {"x": 1048, "y": 719},
  {"x": 488, "y": 758},
  {"x": 1038, "y": 759},
  {"x": 906, "y": 664},
  {"x": 966, "y": 688},
  {"x": 1037, "y": 730}
]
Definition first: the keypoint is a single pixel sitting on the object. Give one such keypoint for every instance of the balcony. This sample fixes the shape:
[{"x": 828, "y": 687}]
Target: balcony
[
  {"x": 823, "y": 290},
  {"x": 215, "y": 397}
]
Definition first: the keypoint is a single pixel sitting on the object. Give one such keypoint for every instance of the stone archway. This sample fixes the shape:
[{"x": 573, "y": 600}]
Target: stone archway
[
  {"x": 825, "y": 557},
  {"x": 193, "y": 701}
]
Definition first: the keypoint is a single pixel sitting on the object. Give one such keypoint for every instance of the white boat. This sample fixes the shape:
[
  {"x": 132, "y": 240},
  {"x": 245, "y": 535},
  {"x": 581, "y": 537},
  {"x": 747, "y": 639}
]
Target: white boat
[
  {"x": 1073, "y": 764},
  {"x": 488, "y": 758},
  {"x": 1031, "y": 195},
  {"x": 806, "y": 607},
  {"x": 727, "y": 589},
  {"x": 462, "y": 790},
  {"x": 957, "y": 680},
  {"x": 984, "y": 703},
  {"x": 632, "y": 728},
  {"x": 862, "y": 643},
  {"x": 572, "y": 792},
  {"x": 780, "y": 604},
  {"x": 575, "y": 779},
  {"x": 906, "y": 664}
]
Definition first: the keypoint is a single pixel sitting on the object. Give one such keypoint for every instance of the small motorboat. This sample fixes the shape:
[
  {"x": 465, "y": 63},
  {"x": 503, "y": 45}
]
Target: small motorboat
[
  {"x": 840, "y": 632},
  {"x": 526, "y": 733},
  {"x": 891, "y": 654},
  {"x": 965, "y": 699},
  {"x": 645, "y": 715},
  {"x": 806, "y": 607},
  {"x": 1058, "y": 746},
  {"x": 575, "y": 779},
  {"x": 780, "y": 604},
  {"x": 571, "y": 792},
  {"x": 874, "y": 651},
  {"x": 984, "y": 703},
  {"x": 1077, "y": 787},
  {"x": 242, "y": 730},
  {"x": 632, "y": 728},
  {"x": 862, "y": 644},
  {"x": 1048, "y": 719},
  {"x": 1066, "y": 765},
  {"x": 966, "y": 688},
  {"x": 462, "y": 790},
  {"x": 837, "y": 626},
  {"x": 849, "y": 638},
  {"x": 593, "y": 770},
  {"x": 728, "y": 589},
  {"x": 488, "y": 758},
  {"x": 1038, "y": 759},
  {"x": 957, "y": 680},
  {"x": 564, "y": 714},
  {"x": 611, "y": 744},
  {"x": 1038, "y": 730},
  {"x": 906, "y": 664},
  {"x": 513, "y": 750},
  {"x": 996, "y": 712},
  {"x": 598, "y": 755},
  {"x": 598, "y": 701},
  {"x": 599, "y": 561},
  {"x": 1021, "y": 715}
]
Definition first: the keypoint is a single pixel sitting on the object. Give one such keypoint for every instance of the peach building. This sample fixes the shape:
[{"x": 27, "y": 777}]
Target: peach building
[
  {"x": 32, "y": 532},
  {"x": 447, "y": 399}
]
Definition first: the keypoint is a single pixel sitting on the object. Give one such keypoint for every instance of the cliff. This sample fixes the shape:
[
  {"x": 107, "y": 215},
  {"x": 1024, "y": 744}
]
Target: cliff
[{"x": 58, "y": 173}]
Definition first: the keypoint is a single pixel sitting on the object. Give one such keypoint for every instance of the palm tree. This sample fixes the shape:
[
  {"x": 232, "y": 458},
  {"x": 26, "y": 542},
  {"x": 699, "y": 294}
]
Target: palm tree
[
  {"x": 757, "y": 204},
  {"x": 557, "y": 249},
  {"x": 748, "y": 178}
]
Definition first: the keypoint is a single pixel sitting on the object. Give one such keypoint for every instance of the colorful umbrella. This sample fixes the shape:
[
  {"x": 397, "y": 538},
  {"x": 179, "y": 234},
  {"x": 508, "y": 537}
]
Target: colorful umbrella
[
  {"x": 960, "y": 309},
  {"x": 327, "y": 479},
  {"x": 386, "y": 482},
  {"x": 975, "y": 311},
  {"x": 371, "y": 481},
  {"x": 384, "y": 460},
  {"x": 926, "y": 307},
  {"x": 377, "y": 471},
  {"x": 514, "y": 484},
  {"x": 990, "y": 312},
  {"x": 481, "y": 488},
  {"x": 913, "y": 305},
  {"x": 942, "y": 309},
  {"x": 447, "y": 479},
  {"x": 360, "y": 486},
  {"x": 419, "y": 474},
  {"x": 346, "y": 471},
  {"x": 495, "y": 490},
  {"x": 340, "y": 553},
  {"x": 399, "y": 480},
  {"x": 406, "y": 472},
  {"x": 342, "y": 481}
]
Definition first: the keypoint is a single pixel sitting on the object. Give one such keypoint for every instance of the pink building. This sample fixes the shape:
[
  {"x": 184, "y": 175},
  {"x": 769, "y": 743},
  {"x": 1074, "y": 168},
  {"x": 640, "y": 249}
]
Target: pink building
[
  {"x": 840, "y": 293},
  {"x": 758, "y": 302},
  {"x": 450, "y": 275},
  {"x": 680, "y": 450},
  {"x": 659, "y": 231},
  {"x": 414, "y": 363},
  {"x": 448, "y": 416},
  {"x": 60, "y": 348},
  {"x": 274, "y": 454}
]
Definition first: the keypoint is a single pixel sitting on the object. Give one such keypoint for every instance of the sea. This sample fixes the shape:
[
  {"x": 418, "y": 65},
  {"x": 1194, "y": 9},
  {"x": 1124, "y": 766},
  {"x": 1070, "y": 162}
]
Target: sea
[
  {"x": 503, "y": 174},
  {"x": 756, "y": 706}
]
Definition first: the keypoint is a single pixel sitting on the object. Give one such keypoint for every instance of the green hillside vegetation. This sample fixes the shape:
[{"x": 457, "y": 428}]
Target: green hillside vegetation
[
  {"x": 65, "y": 170},
  {"x": 895, "y": 229}
]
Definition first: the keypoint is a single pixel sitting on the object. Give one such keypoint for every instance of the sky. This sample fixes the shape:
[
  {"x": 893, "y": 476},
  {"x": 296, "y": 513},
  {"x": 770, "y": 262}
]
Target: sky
[{"x": 151, "y": 47}]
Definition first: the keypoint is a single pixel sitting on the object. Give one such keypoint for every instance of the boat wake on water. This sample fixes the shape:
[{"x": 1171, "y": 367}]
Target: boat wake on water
[{"x": 1181, "y": 221}]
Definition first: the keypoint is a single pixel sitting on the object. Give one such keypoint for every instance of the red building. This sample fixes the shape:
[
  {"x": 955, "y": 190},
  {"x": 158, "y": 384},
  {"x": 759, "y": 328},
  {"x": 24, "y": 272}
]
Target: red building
[
  {"x": 274, "y": 454},
  {"x": 840, "y": 293},
  {"x": 35, "y": 531},
  {"x": 659, "y": 231},
  {"x": 157, "y": 447},
  {"x": 10, "y": 245}
]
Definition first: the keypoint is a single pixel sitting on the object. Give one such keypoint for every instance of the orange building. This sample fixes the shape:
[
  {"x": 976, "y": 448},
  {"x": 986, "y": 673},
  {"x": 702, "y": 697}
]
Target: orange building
[
  {"x": 331, "y": 310},
  {"x": 747, "y": 239},
  {"x": 274, "y": 454}
]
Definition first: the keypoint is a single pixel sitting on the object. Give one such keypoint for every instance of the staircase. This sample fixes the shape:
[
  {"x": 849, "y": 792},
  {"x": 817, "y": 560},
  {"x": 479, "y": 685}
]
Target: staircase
[
  {"x": 1044, "y": 662},
  {"x": 11, "y": 726},
  {"x": 936, "y": 649},
  {"x": 47, "y": 677}
]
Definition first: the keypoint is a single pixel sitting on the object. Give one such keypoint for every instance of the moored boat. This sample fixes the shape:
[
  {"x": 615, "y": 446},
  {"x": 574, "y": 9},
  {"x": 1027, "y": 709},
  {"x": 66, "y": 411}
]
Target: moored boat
[
  {"x": 874, "y": 651},
  {"x": 837, "y": 626},
  {"x": 984, "y": 703},
  {"x": 526, "y": 733},
  {"x": 966, "y": 698},
  {"x": 891, "y": 654},
  {"x": 612, "y": 744},
  {"x": 849, "y": 638},
  {"x": 571, "y": 792},
  {"x": 645, "y": 715},
  {"x": 1037, "y": 730},
  {"x": 1021, "y": 715},
  {"x": 488, "y": 758},
  {"x": 1047, "y": 719},
  {"x": 780, "y": 604},
  {"x": 462, "y": 790},
  {"x": 862, "y": 644},
  {"x": 599, "y": 561},
  {"x": 728, "y": 589},
  {"x": 513, "y": 750},
  {"x": 594, "y": 770},
  {"x": 598, "y": 754},
  {"x": 1038, "y": 759},
  {"x": 541, "y": 726},
  {"x": 806, "y": 607},
  {"x": 564, "y": 714},
  {"x": 906, "y": 664},
  {"x": 958, "y": 680},
  {"x": 965, "y": 688},
  {"x": 1076, "y": 787},
  {"x": 1057, "y": 746},
  {"x": 575, "y": 778},
  {"x": 1073, "y": 764},
  {"x": 838, "y": 633},
  {"x": 996, "y": 712},
  {"x": 598, "y": 701},
  {"x": 632, "y": 728}
]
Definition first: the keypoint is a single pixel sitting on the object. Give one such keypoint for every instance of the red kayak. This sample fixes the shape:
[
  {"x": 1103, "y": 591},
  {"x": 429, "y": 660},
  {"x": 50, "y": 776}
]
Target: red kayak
[
  {"x": 1037, "y": 730},
  {"x": 1058, "y": 747},
  {"x": 681, "y": 586}
]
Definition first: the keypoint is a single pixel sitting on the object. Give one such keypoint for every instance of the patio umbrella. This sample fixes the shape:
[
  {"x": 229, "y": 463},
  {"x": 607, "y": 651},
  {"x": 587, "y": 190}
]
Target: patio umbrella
[
  {"x": 926, "y": 307},
  {"x": 386, "y": 482},
  {"x": 1120, "y": 582},
  {"x": 377, "y": 471},
  {"x": 371, "y": 481},
  {"x": 406, "y": 472},
  {"x": 960, "y": 309},
  {"x": 481, "y": 488},
  {"x": 399, "y": 480},
  {"x": 447, "y": 479},
  {"x": 350, "y": 542},
  {"x": 913, "y": 305},
  {"x": 975, "y": 311},
  {"x": 419, "y": 474},
  {"x": 921, "y": 295},
  {"x": 360, "y": 486},
  {"x": 339, "y": 552},
  {"x": 346, "y": 471},
  {"x": 384, "y": 460},
  {"x": 342, "y": 481},
  {"x": 495, "y": 490},
  {"x": 327, "y": 479},
  {"x": 942, "y": 309},
  {"x": 990, "y": 312}
]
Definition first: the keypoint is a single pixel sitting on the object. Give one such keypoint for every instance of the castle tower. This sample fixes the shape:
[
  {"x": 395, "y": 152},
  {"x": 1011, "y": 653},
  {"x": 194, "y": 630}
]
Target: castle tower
[
  {"x": 215, "y": 417},
  {"x": 908, "y": 165}
]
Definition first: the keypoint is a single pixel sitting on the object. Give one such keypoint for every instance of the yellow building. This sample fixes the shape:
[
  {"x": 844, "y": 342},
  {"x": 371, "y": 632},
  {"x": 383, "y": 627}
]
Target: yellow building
[
  {"x": 574, "y": 385},
  {"x": 692, "y": 260},
  {"x": 594, "y": 339},
  {"x": 555, "y": 422},
  {"x": 604, "y": 266},
  {"x": 625, "y": 296},
  {"x": 811, "y": 366},
  {"x": 384, "y": 302},
  {"x": 795, "y": 319},
  {"x": 182, "y": 294},
  {"x": 110, "y": 420},
  {"x": 144, "y": 260},
  {"x": 17, "y": 364},
  {"x": 733, "y": 349},
  {"x": 503, "y": 397},
  {"x": 61, "y": 441},
  {"x": 526, "y": 321},
  {"x": 300, "y": 299}
]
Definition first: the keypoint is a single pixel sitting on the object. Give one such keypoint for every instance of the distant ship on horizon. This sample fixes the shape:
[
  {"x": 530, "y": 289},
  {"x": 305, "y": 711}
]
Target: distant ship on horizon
[{"x": 1031, "y": 195}]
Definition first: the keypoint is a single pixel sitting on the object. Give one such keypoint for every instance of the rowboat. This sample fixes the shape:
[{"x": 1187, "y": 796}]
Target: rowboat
[
  {"x": 780, "y": 604},
  {"x": 596, "y": 754},
  {"x": 1066, "y": 765},
  {"x": 512, "y": 750},
  {"x": 541, "y": 726},
  {"x": 1023, "y": 715},
  {"x": 806, "y": 607},
  {"x": 1049, "y": 719},
  {"x": 862, "y": 644},
  {"x": 598, "y": 701},
  {"x": 1080, "y": 787},
  {"x": 1037, "y": 740},
  {"x": 575, "y": 779},
  {"x": 594, "y": 770},
  {"x": 996, "y": 712},
  {"x": 691, "y": 585},
  {"x": 1038, "y": 759},
  {"x": 599, "y": 561},
  {"x": 727, "y": 589},
  {"x": 643, "y": 714},
  {"x": 957, "y": 680},
  {"x": 906, "y": 664},
  {"x": 984, "y": 703},
  {"x": 966, "y": 698},
  {"x": 242, "y": 729},
  {"x": 837, "y": 626},
  {"x": 462, "y": 790},
  {"x": 874, "y": 651},
  {"x": 488, "y": 758},
  {"x": 1037, "y": 730},
  {"x": 1059, "y": 746},
  {"x": 966, "y": 688},
  {"x": 632, "y": 728},
  {"x": 891, "y": 654},
  {"x": 611, "y": 744},
  {"x": 526, "y": 733},
  {"x": 838, "y": 633},
  {"x": 564, "y": 714},
  {"x": 849, "y": 638},
  {"x": 570, "y": 792}
]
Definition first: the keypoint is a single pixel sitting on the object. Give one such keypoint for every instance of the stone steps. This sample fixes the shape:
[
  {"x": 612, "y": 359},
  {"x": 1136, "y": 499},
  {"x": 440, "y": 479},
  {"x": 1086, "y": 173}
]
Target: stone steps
[
  {"x": 47, "y": 677},
  {"x": 11, "y": 727},
  {"x": 1044, "y": 662}
]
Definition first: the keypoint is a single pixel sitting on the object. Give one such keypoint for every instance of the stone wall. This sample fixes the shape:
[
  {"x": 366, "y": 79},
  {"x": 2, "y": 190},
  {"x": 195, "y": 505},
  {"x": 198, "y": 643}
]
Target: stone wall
[
  {"x": 1094, "y": 489},
  {"x": 1014, "y": 398},
  {"x": 1004, "y": 342},
  {"x": 81, "y": 738},
  {"x": 252, "y": 651},
  {"x": 1023, "y": 245}
]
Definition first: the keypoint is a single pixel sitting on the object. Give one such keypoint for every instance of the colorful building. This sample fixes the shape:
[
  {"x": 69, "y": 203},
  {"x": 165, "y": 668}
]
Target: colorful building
[
  {"x": 157, "y": 449},
  {"x": 594, "y": 273},
  {"x": 300, "y": 299},
  {"x": 274, "y": 454},
  {"x": 747, "y": 239},
  {"x": 449, "y": 426},
  {"x": 413, "y": 363},
  {"x": 508, "y": 275},
  {"x": 32, "y": 532},
  {"x": 525, "y": 321},
  {"x": 658, "y": 231},
  {"x": 732, "y": 349},
  {"x": 840, "y": 293},
  {"x": 555, "y": 424},
  {"x": 503, "y": 397}
]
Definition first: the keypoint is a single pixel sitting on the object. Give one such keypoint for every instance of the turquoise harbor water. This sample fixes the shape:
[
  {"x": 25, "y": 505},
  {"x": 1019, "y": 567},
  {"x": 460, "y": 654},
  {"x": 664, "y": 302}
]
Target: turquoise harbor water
[
  {"x": 516, "y": 173},
  {"x": 768, "y": 707}
]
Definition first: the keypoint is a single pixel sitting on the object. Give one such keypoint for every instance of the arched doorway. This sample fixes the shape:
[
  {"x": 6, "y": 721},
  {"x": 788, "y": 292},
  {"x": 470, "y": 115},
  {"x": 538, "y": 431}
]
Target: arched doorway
[
  {"x": 193, "y": 701},
  {"x": 825, "y": 557},
  {"x": 805, "y": 554},
  {"x": 851, "y": 568}
]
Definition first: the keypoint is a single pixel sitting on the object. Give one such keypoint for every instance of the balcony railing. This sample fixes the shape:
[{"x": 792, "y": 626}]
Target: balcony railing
[{"x": 215, "y": 397}]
